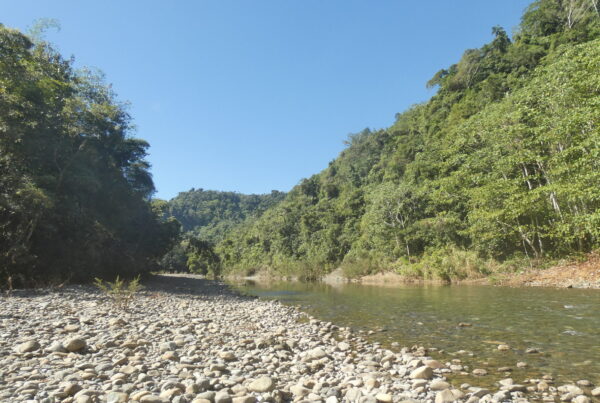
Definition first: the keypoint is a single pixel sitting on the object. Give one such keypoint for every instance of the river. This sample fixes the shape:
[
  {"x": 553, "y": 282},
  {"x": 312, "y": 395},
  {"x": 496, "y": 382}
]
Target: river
[{"x": 466, "y": 322}]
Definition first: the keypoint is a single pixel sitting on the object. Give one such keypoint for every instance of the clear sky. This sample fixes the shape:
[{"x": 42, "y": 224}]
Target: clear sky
[{"x": 254, "y": 95}]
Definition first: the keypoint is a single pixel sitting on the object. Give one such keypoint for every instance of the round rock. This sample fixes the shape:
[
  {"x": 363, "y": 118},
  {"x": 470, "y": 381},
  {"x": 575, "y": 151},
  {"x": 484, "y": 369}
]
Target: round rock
[
  {"x": 28, "y": 346},
  {"x": 262, "y": 384},
  {"x": 74, "y": 344}
]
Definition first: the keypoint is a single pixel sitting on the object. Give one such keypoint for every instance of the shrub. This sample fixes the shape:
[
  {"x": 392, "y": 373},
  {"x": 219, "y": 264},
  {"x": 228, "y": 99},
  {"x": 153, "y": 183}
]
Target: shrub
[{"x": 120, "y": 291}]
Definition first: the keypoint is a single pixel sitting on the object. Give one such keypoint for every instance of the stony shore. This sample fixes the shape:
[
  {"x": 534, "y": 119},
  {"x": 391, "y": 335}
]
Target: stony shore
[{"x": 185, "y": 339}]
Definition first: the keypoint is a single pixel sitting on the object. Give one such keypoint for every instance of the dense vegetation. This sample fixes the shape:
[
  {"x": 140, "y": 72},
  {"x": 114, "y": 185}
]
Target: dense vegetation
[
  {"x": 210, "y": 214},
  {"x": 74, "y": 185},
  {"x": 207, "y": 216},
  {"x": 500, "y": 168}
]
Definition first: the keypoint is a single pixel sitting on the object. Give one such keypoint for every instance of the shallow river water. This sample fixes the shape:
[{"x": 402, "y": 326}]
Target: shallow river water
[{"x": 563, "y": 324}]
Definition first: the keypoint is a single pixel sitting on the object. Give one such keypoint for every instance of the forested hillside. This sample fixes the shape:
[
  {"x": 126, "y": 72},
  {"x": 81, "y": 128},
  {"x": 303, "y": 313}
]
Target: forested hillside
[
  {"x": 75, "y": 187},
  {"x": 207, "y": 216},
  {"x": 499, "y": 169}
]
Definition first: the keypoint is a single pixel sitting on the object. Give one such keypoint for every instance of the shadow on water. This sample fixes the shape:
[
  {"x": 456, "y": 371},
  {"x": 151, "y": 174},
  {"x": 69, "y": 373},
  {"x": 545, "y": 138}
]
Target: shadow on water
[{"x": 562, "y": 325}]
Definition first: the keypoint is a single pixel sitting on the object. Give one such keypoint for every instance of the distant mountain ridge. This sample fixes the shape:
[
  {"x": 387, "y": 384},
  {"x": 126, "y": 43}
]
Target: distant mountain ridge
[{"x": 209, "y": 214}]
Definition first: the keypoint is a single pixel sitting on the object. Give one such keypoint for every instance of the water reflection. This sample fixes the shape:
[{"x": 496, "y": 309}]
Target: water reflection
[{"x": 563, "y": 325}]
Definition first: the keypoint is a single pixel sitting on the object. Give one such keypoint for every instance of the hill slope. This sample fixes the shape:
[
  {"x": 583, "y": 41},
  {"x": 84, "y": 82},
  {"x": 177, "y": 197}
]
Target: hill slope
[
  {"x": 499, "y": 169},
  {"x": 206, "y": 217},
  {"x": 209, "y": 214}
]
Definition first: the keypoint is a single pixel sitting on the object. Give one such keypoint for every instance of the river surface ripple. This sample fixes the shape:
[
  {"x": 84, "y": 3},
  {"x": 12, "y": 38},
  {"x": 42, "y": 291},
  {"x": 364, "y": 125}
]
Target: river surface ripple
[{"x": 562, "y": 324}]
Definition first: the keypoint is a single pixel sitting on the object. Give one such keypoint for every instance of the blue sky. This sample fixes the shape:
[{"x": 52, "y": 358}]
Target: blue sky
[{"x": 251, "y": 96}]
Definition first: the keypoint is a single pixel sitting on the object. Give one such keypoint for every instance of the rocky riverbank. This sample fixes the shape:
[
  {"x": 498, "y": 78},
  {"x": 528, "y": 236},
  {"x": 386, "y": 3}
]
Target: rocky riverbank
[{"x": 185, "y": 339}]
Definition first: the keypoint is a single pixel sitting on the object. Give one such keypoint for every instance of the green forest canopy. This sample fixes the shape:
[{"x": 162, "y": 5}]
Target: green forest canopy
[
  {"x": 207, "y": 216},
  {"x": 75, "y": 187},
  {"x": 500, "y": 166}
]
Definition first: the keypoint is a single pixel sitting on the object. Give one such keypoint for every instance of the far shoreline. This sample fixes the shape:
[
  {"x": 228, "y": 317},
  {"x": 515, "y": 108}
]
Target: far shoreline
[{"x": 573, "y": 274}]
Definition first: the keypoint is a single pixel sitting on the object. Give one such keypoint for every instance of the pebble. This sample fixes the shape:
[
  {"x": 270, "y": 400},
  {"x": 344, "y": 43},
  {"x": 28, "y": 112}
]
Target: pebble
[
  {"x": 74, "y": 344},
  {"x": 117, "y": 397},
  {"x": 189, "y": 340},
  {"x": 424, "y": 372},
  {"x": 445, "y": 396},
  {"x": 383, "y": 397},
  {"x": 438, "y": 385},
  {"x": 28, "y": 346},
  {"x": 343, "y": 346},
  {"x": 262, "y": 384}
]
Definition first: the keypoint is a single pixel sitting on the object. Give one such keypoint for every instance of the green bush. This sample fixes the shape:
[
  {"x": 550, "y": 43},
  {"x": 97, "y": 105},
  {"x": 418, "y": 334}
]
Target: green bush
[
  {"x": 451, "y": 263},
  {"x": 120, "y": 291}
]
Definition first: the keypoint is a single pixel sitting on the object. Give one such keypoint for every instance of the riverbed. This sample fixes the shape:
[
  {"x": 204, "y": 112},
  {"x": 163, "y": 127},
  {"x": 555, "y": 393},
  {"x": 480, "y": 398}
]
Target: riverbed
[{"x": 549, "y": 332}]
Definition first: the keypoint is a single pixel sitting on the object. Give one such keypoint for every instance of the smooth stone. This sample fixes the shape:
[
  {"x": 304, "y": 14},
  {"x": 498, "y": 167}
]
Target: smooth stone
[
  {"x": 503, "y": 347},
  {"x": 299, "y": 390},
  {"x": 222, "y": 397},
  {"x": 439, "y": 385},
  {"x": 71, "y": 389},
  {"x": 244, "y": 399},
  {"x": 596, "y": 392},
  {"x": 423, "y": 372},
  {"x": 170, "y": 356},
  {"x": 75, "y": 344},
  {"x": 209, "y": 395},
  {"x": 384, "y": 397},
  {"x": 28, "y": 346},
  {"x": 227, "y": 356},
  {"x": 479, "y": 372},
  {"x": 71, "y": 328},
  {"x": 136, "y": 396},
  {"x": 117, "y": 397},
  {"x": 573, "y": 389},
  {"x": 115, "y": 322},
  {"x": 581, "y": 399},
  {"x": 317, "y": 353},
  {"x": 343, "y": 346},
  {"x": 353, "y": 394},
  {"x": 151, "y": 399},
  {"x": 262, "y": 384},
  {"x": 170, "y": 393},
  {"x": 372, "y": 383},
  {"x": 218, "y": 367},
  {"x": 457, "y": 393},
  {"x": 444, "y": 396},
  {"x": 434, "y": 364}
]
